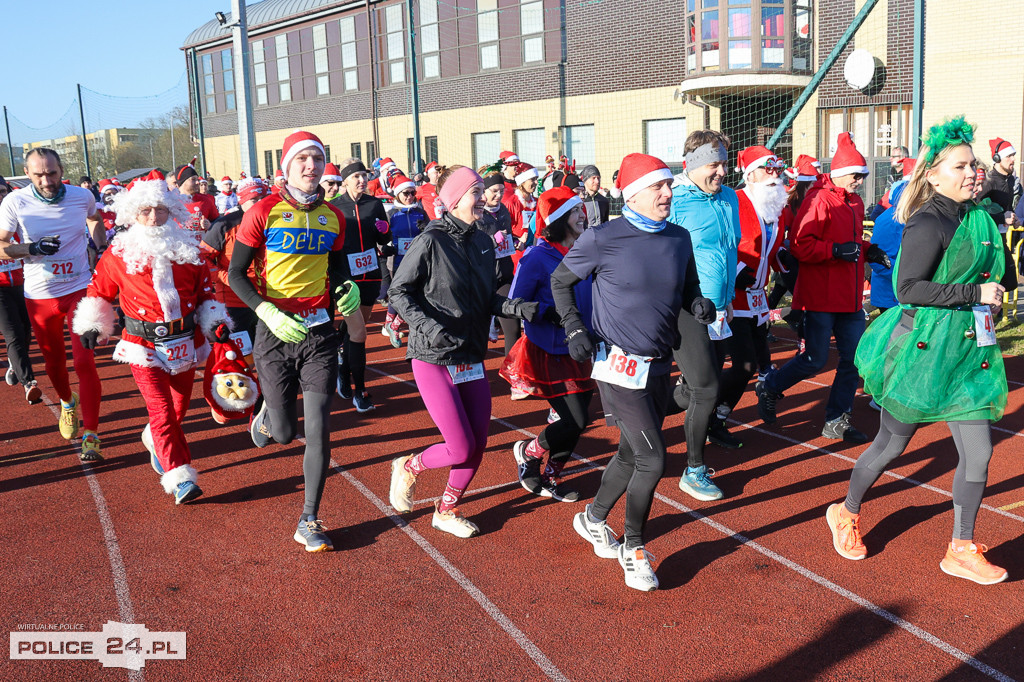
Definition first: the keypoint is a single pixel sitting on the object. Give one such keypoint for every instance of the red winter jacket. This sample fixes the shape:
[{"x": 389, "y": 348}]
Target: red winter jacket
[
  {"x": 756, "y": 256},
  {"x": 829, "y": 215}
]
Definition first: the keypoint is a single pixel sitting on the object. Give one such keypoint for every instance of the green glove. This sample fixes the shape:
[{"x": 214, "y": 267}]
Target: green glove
[
  {"x": 347, "y": 298},
  {"x": 281, "y": 324}
]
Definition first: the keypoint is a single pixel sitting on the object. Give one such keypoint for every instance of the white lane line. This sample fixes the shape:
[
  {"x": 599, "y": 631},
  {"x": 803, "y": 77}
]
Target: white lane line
[
  {"x": 506, "y": 624},
  {"x": 914, "y": 630},
  {"x": 117, "y": 570},
  {"x": 853, "y": 460}
]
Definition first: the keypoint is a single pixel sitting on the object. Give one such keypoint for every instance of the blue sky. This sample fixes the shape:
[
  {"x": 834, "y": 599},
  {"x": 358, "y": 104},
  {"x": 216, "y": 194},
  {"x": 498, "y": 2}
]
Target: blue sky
[{"x": 116, "y": 48}]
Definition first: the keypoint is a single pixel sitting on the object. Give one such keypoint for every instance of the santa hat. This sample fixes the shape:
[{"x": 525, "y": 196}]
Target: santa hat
[
  {"x": 226, "y": 180},
  {"x": 229, "y": 386},
  {"x": 509, "y": 158},
  {"x": 155, "y": 174},
  {"x": 278, "y": 173},
  {"x": 807, "y": 169},
  {"x": 251, "y": 189},
  {"x": 295, "y": 143},
  {"x": 149, "y": 193},
  {"x": 752, "y": 158},
  {"x": 524, "y": 172},
  {"x": 386, "y": 163},
  {"x": 108, "y": 185},
  {"x": 432, "y": 164},
  {"x": 1001, "y": 147},
  {"x": 331, "y": 174},
  {"x": 908, "y": 166},
  {"x": 847, "y": 160},
  {"x": 555, "y": 203},
  {"x": 398, "y": 182},
  {"x": 640, "y": 171}
]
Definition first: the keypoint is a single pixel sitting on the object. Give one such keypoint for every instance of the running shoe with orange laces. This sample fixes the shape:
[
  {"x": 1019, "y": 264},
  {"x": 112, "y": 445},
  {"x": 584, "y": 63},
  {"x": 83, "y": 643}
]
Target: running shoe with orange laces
[
  {"x": 845, "y": 533},
  {"x": 970, "y": 563}
]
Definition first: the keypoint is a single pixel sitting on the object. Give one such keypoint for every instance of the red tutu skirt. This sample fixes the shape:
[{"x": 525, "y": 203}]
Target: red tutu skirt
[{"x": 533, "y": 372}]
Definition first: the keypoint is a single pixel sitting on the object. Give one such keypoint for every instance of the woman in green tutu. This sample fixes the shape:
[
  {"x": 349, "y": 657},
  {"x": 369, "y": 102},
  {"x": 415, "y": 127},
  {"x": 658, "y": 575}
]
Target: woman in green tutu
[{"x": 934, "y": 357}]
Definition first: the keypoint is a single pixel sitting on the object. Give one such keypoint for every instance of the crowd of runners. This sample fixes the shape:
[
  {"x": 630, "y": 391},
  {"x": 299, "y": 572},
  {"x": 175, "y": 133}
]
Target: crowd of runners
[{"x": 268, "y": 287}]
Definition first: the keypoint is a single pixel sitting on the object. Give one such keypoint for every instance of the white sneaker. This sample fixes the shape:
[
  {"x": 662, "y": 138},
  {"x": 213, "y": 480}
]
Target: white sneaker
[
  {"x": 384, "y": 330},
  {"x": 452, "y": 522},
  {"x": 492, "y": 333},
  {"x": 606, "y": 545},
  {"x": 10, "y": 377},
  {"x": 147, "y": 440},
  {"x": 403, "y": 484},
  {"x": 637, "y": 565}
]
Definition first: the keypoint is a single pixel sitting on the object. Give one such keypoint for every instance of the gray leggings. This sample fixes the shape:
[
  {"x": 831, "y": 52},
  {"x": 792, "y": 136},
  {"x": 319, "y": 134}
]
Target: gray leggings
[
  {"x": 316, "y": 411},
  {"x": 973, "y": 444}
]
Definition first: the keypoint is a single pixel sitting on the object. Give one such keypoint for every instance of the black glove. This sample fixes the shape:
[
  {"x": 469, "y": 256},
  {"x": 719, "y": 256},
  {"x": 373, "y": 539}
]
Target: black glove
[
  {"x": 387, "y": 251},
  {"x": 787, "y": 259},
  {"x": 581, "y": 346},
  {"x": 529, "y": 310},
  {"x": 876, "y": 255},
  {"x": 551, "y": 316},
  {"x": 848, "y": 251},
  {"x": 442, "y": 340},
  {"x": 703, "y": 310},
  {"x": 47, "y": 246},
  {"x": 745, "y": 279},
  {"x": 89, "y": 340}
]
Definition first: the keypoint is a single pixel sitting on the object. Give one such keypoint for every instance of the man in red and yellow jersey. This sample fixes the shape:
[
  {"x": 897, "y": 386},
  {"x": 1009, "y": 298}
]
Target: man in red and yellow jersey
[{"x": 295, "y": 240}]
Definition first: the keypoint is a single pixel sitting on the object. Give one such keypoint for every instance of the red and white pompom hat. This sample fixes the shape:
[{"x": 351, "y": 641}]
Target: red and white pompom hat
[
  {"x": 555, "y": 203},
  {"x": 752, "y": 158},
  {"x": 295, "y": 143},
  {"x": 847, "y": 159},
  {"x": 640, "y": 171},
  {"x": 524, "y": 172},
  {"x": 807, "y": 169},
  {"x": 509, "y": 158},
  {"x": 399, "y": 183},
  {"x": 109, "y": 185},
  {"x": 226, "y": 180},
  {"x": 1001, "y": 147},
  {"x": 331, "y": 173},
  {"x": 386, "y": 163}
]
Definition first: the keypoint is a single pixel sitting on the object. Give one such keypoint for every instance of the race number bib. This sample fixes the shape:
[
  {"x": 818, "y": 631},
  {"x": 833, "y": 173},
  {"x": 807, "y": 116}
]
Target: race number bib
[
  {"x": 757, "y": 301},
  {"x": 242, "y": 342},
  {"x": 463, "y": 373},
  {"x": 9, "y": 265},
  {"x": 402, "y": 245},
  {"x": 362, "y": 262},
  {"x": 719, "y": 329},
  {"x": 616, "y": 366},
  {"x": 315, "y": 317},
  {"x": 505, "y": 249},
  {"x": 176, "y": 355},
  {"x": 530, "y": 221},
  {"x": 984, "y": 329},
  {"x": 60, "y": 270}
]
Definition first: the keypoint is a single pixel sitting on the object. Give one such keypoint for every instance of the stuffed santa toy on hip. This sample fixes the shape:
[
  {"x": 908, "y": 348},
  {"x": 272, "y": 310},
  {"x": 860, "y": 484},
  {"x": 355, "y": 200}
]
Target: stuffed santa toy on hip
[{"x": 229, "y": 385}]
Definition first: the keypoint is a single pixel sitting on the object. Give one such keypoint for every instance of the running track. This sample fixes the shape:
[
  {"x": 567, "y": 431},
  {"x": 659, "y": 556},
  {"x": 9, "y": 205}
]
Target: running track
[{"x": 751, "y": 588}]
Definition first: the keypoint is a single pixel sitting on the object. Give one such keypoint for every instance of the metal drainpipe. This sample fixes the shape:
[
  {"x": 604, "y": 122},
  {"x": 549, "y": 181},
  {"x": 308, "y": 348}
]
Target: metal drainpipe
[{"x": 704, "y": 106}]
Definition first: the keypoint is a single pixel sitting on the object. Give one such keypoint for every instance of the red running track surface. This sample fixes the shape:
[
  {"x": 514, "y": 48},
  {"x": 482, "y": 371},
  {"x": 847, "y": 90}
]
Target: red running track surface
[{"x": 751, "y": 587}]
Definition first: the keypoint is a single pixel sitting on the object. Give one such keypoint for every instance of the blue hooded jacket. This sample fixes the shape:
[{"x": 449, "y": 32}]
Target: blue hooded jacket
[
  {"x": 713, "y": 221},
  {"x": 888, "y": 235},
  {"x": 533, "y": 283}
]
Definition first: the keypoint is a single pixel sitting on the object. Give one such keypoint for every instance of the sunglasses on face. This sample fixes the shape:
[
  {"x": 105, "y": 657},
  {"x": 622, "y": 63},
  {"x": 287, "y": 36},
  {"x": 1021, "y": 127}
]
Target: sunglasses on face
[
  {"x": 407, "y": 193},
  {"x": 859, "y": 176}
]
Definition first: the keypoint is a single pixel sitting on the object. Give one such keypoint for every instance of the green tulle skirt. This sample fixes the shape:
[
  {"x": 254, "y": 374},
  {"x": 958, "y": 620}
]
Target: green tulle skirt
[{"x": 936, "y": 371}]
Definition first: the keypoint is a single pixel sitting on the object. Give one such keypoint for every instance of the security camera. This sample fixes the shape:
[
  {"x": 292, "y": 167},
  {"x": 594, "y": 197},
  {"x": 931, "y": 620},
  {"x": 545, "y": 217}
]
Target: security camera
[{"x": 221, "y": 19}]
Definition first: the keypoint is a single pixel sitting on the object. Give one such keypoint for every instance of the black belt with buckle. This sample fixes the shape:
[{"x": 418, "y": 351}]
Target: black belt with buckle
[{"x": 155, "y": 331}]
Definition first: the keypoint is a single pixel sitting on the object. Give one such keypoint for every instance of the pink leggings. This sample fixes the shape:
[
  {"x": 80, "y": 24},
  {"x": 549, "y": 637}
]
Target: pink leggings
[
  {"x": 48, "y": 317},
  {"x": 462, "y": 413}
]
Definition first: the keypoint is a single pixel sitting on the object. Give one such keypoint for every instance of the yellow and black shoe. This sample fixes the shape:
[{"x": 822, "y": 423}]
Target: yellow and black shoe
[{"x": 68, "y": 420}]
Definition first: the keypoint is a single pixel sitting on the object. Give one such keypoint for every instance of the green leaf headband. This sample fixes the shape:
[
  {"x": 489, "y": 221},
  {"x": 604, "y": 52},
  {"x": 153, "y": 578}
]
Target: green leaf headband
[{"x": 951, "y": 132}]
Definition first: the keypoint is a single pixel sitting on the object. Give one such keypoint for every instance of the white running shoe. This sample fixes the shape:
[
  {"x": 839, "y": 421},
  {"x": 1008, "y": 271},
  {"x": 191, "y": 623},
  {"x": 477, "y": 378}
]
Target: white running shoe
[
  {"x": 384, "y": 330},
  {"x": 10, "y": 377},
  {"x": 637, "y": 565},
  {"x": 453, "y": 522},
  {"x": 403, "y": 483},
  {"x": 606, "y": 545}
]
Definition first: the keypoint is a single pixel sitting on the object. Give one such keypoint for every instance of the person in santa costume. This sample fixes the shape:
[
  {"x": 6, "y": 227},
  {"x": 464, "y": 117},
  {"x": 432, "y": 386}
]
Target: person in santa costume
[
  {"x": 827, "y": 240},
  {"x": 108, "y": 190},
  {"x": 523, "y": 207},
  {"x": 427, "y": 192},
  {"x": 164, "y": 287},
  {"x": 761, "y": 202},
  {"x": 331, "y": 182},
  {"x": 227, "y": 200},
  {"x": 508, "y": 163},
  {"x": 377, "y": 186}
]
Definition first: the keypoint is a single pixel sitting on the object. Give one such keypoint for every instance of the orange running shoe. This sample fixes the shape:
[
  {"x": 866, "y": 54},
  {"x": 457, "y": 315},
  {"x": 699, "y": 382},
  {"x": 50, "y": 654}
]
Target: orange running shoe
[
  {"x": 971, "y": 564},
  {"x": 845, "y": 534}
]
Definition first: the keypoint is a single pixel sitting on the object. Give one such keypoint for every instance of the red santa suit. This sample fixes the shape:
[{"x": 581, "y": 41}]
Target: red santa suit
[
  {"x": 200, "y": 206},
  {"x": 523, "y": 208},
  {"x": 168, "y": 301},
  {"x": 758, "y": 255}
]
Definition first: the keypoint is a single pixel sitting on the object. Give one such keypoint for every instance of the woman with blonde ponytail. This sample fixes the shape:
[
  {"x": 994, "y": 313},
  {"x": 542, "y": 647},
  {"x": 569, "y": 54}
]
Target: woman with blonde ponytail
[{"x": 934, "y": 357}]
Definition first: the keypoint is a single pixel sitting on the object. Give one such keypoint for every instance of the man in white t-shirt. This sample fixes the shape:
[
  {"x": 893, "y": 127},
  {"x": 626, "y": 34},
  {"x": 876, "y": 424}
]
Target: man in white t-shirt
[{"x": 51, "y": 219}]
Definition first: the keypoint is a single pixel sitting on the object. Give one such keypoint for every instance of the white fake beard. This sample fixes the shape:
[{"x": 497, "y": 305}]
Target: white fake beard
[
  {"x": 769, "y": 198},
  {"x": 139, "y": 245}
]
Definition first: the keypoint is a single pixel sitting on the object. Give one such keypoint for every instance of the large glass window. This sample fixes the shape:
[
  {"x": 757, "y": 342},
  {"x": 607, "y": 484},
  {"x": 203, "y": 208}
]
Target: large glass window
[
  {"x": 323, "y": 79},
  {"x": 259, "y": 71},
  {"x": 773, "y": 47},
  {"x": 394, "y": 19},
  {"x": 579, "y": 144},
  {"x": 486, "y": 148},
  {"x": 284, "y": 85},
  {"x": 531, "y": 21},
  {"x": 487, "y": 33},
  {"x": 349, "y": 61},
  {"x": 228, "y": 74},
  {"x": 664, "y": 139},
  {"x": 430, "y": 41},
  {"x": 529, "y": 146},
  {"x": 736, "y": 35},
  {"x": 208, "y": 89},
  {"x": 802, "y": 35},
  {"x": 430, "y": 148}
]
